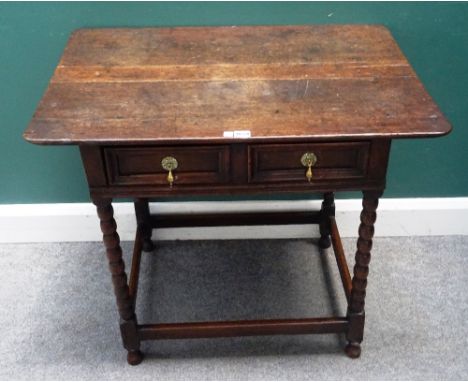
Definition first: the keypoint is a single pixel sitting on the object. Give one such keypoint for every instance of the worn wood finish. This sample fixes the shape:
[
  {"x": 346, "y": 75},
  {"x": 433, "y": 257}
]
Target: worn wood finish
[
  {"x": 131, "y": 97},
  {"x": 260, "y": 45},
  {"x": 165, "y": 85}
]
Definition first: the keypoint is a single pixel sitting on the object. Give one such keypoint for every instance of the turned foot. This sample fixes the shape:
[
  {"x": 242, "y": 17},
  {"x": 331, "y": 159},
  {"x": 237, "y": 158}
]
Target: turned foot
[
  {"x": 353, "y": 350},
  {"x": 324, "y": 242},
  {"x": 148, "y": 245},
  {"x": 134, "y": 357}
]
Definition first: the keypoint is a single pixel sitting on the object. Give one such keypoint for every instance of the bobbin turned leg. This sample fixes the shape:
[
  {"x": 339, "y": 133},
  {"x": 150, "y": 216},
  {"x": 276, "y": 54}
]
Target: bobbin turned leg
[
  {"x": 328, "y": 209},
  {"x": 356, "y": 315},
  {"x": 142, "y": 213},
  {"x": 125, "y": 304}
]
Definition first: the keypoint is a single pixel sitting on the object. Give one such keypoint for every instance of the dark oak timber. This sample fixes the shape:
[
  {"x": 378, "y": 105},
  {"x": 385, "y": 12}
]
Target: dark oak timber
[
  {"x": 234, "y": 219},
  {"x": 143, "y": 217},
  {"x": 327, "y": 211},
  {"x": 125, "y": 301},
  {"x": 340, "y": 258},
  {"x": 243, "y": 328},
  {"x": 361, "y": 270},
  {"x": 154, "y": 112},
  {"x": 161, "y": 85},
  {"x": 135, "y": 268}
]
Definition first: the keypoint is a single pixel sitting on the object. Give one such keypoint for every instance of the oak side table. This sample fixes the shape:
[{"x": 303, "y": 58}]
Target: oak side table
[{"x": 235, "y": 110}]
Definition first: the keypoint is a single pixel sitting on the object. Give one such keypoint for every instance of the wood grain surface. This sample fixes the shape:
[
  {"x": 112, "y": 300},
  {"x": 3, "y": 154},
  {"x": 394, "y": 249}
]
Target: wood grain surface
[{"x": 167, "y": 85}]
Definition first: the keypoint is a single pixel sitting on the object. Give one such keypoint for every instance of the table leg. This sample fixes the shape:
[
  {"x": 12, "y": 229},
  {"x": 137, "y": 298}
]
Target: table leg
[
  {"x": 128, "y": 321},
  {"x": 356, "y": 315},
  {"x": 328, "y": 209},
  {"x": 142, "y": 213}
]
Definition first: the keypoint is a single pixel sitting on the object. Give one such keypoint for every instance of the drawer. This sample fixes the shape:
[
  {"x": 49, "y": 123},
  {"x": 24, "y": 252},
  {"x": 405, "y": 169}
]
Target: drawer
[
  {"x": 282, "y": 162},
  {"x": 196, "y": 165}
]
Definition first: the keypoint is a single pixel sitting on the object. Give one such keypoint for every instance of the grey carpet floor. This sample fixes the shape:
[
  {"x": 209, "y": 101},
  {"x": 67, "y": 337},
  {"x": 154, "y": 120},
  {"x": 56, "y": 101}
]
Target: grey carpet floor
[{"x": 58, "y": 319}]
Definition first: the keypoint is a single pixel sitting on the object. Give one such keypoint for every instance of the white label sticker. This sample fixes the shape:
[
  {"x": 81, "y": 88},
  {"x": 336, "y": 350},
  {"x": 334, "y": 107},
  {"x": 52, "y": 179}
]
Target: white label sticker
[
  {"x": 242, "y": 134},
  {"x": 228, "y": 134}
]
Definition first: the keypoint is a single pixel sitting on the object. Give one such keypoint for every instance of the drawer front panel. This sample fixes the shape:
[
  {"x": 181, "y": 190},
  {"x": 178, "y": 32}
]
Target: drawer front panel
[
  {"x": 282, "y": 163},
  {"x": 197, "y": 165}
]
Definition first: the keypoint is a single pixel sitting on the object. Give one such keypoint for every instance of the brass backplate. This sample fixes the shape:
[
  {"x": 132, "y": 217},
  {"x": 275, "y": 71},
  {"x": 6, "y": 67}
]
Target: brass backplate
[
  {"x": 169, "y": 163},
  {"x": 308, "y": 159}
]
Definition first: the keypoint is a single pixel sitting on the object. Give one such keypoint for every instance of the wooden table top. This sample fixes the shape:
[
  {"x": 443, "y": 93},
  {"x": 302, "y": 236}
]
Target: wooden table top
[{"x": 155, "y": 85}]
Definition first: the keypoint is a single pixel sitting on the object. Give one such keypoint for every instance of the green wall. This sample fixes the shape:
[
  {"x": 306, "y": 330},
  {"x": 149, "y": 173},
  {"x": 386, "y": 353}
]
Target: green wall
[{"x": 434, "y": 37}]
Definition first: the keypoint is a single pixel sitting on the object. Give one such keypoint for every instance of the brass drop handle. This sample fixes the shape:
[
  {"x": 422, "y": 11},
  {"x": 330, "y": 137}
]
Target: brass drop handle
[
  {"x": 169, "y": 164},
  {"x": 308, "y": 160}
]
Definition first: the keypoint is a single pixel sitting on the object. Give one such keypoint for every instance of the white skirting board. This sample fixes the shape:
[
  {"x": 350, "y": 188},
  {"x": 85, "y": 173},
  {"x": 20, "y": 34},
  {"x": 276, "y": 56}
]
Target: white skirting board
[{"x": 79, "y": 222}]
